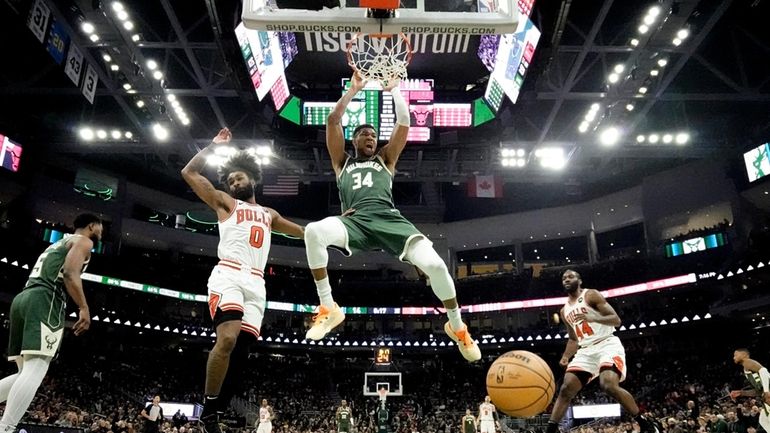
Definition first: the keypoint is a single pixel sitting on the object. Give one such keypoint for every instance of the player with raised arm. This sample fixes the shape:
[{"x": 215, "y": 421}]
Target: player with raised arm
[
  {"x": 488, "y": 416},
  {"x": 37, "y": 315},
  {"x": 759, "y": 379},
  {"x": 468, "y": 423},
  {"x": 597, "y": 352},
  {"x": 344, "y": 417},
  {"x": 266, "y": 415},
  {"x": 236, "y": 287},
  {"x": 365, "y": 182}
]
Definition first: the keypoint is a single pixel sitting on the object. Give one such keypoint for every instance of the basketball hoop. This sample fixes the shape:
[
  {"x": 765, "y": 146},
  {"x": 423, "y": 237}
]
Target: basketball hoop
[
  {"x": 380, "y": 57},
  {"x": 383, "y": 393}
]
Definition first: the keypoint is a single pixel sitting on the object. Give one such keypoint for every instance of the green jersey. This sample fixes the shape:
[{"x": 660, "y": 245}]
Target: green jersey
[
  {"x": 365, "y": 183},
  {"x": 755, "y": 381},
  {"x": 469, "y": 424},
  {"x": 343, "y": 417},
  {"x": 48, "y": 271}
]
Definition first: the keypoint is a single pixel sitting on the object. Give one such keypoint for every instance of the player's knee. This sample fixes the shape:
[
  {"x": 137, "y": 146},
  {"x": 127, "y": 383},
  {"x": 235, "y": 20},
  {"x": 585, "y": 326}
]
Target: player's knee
[
  {"x": 226, "y": 342},
  {"x": 313, "y": 233},
  {"x": 568, "y": 390},
  {"x": 432, "y": 265},
  {"x": 608, "y": 386}
]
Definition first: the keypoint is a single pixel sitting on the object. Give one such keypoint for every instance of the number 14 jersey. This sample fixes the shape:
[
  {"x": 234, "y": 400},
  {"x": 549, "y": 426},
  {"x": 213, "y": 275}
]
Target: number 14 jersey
[
  {"x": 365, "y": 184},
  {"x": 244, "y": 236},
  {"x": 587, "y": 333}
]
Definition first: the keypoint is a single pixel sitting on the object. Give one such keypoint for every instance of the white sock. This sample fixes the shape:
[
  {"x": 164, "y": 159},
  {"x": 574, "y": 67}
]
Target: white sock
[
  {"x": 325, "y": 292},
  {"x": 23, "y": 390},
  {"x": 454, "y": 318},
  {"x": 7, "y": 382}
]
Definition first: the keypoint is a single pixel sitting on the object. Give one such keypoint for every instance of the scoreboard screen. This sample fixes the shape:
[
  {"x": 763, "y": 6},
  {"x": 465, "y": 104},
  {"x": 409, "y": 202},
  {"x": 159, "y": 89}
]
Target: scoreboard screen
[
  {"x": 382, "y": 356},
  {"x": 514, "y": 53},
  {"x": 10, "y": 153},
  {"x": 757, "y": 162}
]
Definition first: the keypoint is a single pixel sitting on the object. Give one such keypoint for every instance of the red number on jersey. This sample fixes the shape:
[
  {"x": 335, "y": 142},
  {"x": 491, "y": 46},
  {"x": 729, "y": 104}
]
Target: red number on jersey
[
  {"x": 257, "y": 236},
  {"x": 583, "y": 330},
  {"x": 486, "y": 412}
]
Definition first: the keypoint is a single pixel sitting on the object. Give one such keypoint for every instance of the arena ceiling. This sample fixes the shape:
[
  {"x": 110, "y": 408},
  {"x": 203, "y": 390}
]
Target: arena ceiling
[{"x": 714, "y": 86}]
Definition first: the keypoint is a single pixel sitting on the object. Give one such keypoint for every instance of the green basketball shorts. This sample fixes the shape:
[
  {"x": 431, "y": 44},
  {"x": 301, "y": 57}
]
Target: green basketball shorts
[
  {"x": 384, "y": 229},
  {"x": 37, "y": 323}
]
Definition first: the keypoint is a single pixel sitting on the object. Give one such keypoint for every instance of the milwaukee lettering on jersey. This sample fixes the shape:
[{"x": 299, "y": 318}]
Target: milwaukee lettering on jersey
[
  {"x": 364, "y": 164},
  {"x": 252, "y": 215}
]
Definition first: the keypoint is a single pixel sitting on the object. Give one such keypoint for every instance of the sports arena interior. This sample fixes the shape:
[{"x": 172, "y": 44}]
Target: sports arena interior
[{"x": 625, "y": 140}]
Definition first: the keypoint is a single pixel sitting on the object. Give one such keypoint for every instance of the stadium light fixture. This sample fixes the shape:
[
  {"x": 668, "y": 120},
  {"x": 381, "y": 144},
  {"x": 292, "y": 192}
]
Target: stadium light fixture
[
  {"x": 662, "y": 62},
  {"x": 619, "y": 68},
  {"x": 128, "y": 25},
  {"x": 157, "y": 75},
  {"x": 521, "y": 153},
  {"x": 634, "y": 42},
  {"x": 643, "y": 29},
  {"x": 648, "y": 20},
  {"x": 86, "y": 134},
  {"x": 101, "y": 134},
  {"x": 609, "y": 136},
  {"x": 682, "y": 138},
  {"x": 668, "y": 138},
  {"x": 94, "y": 37},
  {"x": 613, "y": 78},
  {"x": 629, "y": 107},
  {"x": 153, "y": 65},
  {"x": 87, "y": 28},
  {"x": 640, "y": 138},
  {"x": 107, "y": 58},
  {"x": 682, "y": 34},
  {"x": 117, "y": 6},
  {"x": 140, "y": 103},
  {"x": 136, "y": 37},
  {"x": 653, "y": 138},
  {"x": 583, "y": 128},
  {"x": 677, "y": 42},
  {"x": 654, "y": 73},
  {"x": 160, "y": 132},
  {"x": 122, "y": 15},
  {"x": 129, "y": 135},
  {"x": 115, "y": 134},
  {"x": 643, "y": 90}
]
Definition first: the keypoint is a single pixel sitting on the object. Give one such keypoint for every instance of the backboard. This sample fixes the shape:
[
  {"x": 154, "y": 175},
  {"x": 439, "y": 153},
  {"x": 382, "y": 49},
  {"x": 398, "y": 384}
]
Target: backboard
[
  {"x": 373, "y": 381},
  {"x": 501, "y": 18}
]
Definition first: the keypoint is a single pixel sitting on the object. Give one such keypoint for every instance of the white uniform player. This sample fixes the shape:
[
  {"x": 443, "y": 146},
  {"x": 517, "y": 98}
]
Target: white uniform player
[
  {"x": 237, "y": 282},
  {"x": 265, "y": 418},
  {"x": 487, "y": 416},
  {"x": 598, "y": 347}
]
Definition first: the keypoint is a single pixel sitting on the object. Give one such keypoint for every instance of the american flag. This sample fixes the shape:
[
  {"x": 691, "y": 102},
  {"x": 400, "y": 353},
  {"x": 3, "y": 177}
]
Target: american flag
[{"x": 281, "y": 185}]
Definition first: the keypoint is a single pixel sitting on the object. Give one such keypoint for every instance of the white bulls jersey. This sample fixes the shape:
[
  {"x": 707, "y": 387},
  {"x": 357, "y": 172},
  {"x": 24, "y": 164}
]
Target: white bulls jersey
[
  {"x": 244, "y": 237},
  {"x": 487, "y": 412},
  {"x": 587, "y": 333},
  {"x": 264, "y": 414}
]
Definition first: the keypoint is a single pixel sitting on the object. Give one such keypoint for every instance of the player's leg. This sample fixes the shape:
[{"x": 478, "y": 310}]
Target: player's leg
[
  {"x": 420, "y": 253},
  {"x": 764, "y": 419},
  {"x": 319, "y": 236},
  {"x": 573, "y": 383},
  {"x": 23, "y": 390},
  {"x": 8, "y": 381}
]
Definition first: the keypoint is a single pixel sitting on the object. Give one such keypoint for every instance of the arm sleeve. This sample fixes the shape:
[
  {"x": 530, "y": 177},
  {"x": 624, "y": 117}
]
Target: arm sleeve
[
  {"x": 764, "y": 377},
  {"x": 402, "y": 110}
]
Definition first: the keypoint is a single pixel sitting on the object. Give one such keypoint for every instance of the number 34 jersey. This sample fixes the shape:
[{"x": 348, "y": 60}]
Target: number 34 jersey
[
  {"x": 365, "y": 183},
  {"x": 587, "y": 333},
  {"x": 244, "y": 236}
]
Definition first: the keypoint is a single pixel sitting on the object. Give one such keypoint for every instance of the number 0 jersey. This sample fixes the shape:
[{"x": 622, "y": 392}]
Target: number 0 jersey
[
  {"x": 244, "y": 236},
  {"x": 365, "y": 184},
  {"x": 587, "y": 333}
]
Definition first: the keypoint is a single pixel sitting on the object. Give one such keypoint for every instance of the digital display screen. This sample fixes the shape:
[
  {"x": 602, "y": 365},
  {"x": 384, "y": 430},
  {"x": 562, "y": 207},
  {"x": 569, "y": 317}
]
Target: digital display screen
[
  {"x": 262, "y": 53},
  {"x": 363, "y": 108},
  {"x": 757, "y": 162},
  {"x": 382, "y": 356},
  {"x": 10, "y": 154},
  {"x": 695, "y": 245},
  {"x": 513, "y": 55},
  {"x": 280, "y": 92},
  {"x": 459, "y": 115},
  {"x": 315, "y": 113}
]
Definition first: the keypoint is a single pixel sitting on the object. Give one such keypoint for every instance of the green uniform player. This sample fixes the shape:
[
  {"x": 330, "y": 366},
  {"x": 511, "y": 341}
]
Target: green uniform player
[
  {"x": 344, "y": 418},
  {"x": 38, "y": 313},
  {"x": 383, "y": 416},
  {"x": 759, "y": 379},
  {"x": 370, "y": 220},
  {"x": 469, "y": 422}
]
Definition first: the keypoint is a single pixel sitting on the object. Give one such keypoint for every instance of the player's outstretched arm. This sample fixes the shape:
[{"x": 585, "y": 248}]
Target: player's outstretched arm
[
  {"x": 281, "y": 224},
  {"x": 607, "y": 314},
  {"x": 78, "y": 254},
  {"x": 217, "y": 200},
  {"x": 395, "y": 146},
  {"x": 335, "y": 139},
  {"x": 572, "y": 343}
]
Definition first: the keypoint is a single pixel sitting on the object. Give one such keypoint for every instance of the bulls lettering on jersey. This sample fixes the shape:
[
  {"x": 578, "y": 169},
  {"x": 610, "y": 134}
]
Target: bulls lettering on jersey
[
  {"x": 487, "y": 412},
  {"x": 244, "y": 237},
  {"x": 587, "y": 333}
]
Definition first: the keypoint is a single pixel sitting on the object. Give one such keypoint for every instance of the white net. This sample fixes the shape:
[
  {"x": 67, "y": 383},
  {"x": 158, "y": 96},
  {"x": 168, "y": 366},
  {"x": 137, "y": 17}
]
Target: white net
[{"x": 380, "y": 57}]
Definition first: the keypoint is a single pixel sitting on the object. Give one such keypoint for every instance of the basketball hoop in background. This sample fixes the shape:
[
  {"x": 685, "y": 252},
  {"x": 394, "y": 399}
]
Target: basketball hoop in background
[
  {"x": 383, "y": 393},
  {"x": 380, "y": 57}
]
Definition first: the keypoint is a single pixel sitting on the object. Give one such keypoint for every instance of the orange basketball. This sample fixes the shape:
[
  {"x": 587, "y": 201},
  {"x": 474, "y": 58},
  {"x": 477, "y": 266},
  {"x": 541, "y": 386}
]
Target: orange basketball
[{"x": 520, "y": 384}]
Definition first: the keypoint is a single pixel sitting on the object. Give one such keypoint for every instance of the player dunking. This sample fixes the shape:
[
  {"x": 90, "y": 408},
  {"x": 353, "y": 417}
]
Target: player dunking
[
  {"x": 365, "y": 182},
  {"x": 265, "y": 418},
  {"x": 344, "y": 417},
  {"x": 759, "y": 379},
  {"x": 488, "y": 416},
  {"x": 236, "y": 286},
  {"x": 468, "y": 423},
  {"x": 37, "y": 315},
  {"x": 591, "y": 323}
]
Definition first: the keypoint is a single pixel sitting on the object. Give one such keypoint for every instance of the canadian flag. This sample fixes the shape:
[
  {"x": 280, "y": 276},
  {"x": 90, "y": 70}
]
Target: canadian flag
[{"x": 489, "y": 186}]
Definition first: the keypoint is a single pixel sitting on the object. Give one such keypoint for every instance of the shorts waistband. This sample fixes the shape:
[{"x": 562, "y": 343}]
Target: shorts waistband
[
  {"x": 232, "y": 264},
  {"x": 597, "y": 342}
]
